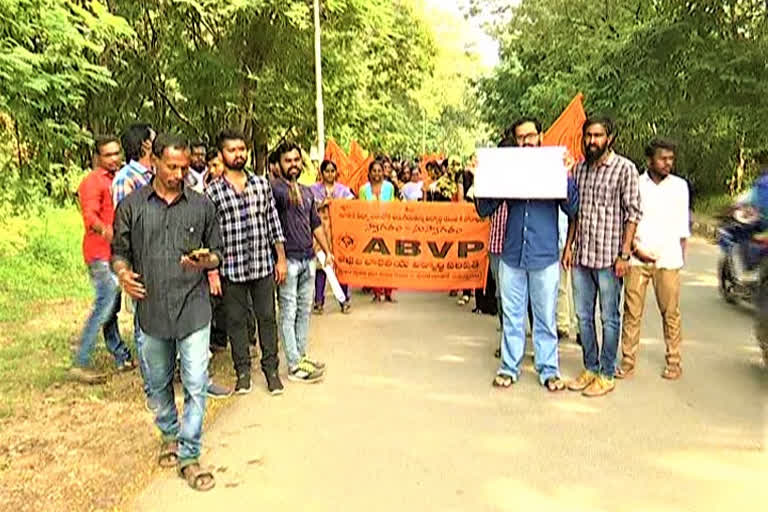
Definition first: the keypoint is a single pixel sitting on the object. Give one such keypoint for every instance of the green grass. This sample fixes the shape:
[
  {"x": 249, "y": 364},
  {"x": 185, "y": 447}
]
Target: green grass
[
  {"x": 712, "y": 205},
  {"x": 40, "y": 260},
  {"x": 44, "y": 297}
]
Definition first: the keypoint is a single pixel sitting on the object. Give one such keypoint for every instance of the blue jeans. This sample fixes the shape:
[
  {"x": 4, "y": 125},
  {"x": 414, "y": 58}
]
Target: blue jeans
[
  {"x": 587, "y": 283},
  {"x": 517, "y": 285},
  {"x": 161, "y": 365},
  {"x": 295, "y": 296},
  {"x": 138, "y": 339},
  {"x": 103, "y": 316},
  {"x": 494, "y": 262}
]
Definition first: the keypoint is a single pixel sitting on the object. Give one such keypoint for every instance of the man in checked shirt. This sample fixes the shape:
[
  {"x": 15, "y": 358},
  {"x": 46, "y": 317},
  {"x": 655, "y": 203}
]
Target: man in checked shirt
[
  {"x": 250, "y": 229},
  {"x": 599, "y": 247}
]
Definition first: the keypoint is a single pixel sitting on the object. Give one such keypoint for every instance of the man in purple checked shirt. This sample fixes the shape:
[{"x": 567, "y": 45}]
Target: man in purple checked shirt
[{"x": 324, "y": 191}]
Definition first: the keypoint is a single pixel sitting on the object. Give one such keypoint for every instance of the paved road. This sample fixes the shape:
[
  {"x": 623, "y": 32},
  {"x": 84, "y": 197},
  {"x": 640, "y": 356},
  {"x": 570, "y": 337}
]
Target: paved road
[{"x": 407, "y": 420}]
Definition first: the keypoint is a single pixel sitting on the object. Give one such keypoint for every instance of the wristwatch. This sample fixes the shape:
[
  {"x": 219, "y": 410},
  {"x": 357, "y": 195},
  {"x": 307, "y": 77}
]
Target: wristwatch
[{"x": 624, "y": 256}]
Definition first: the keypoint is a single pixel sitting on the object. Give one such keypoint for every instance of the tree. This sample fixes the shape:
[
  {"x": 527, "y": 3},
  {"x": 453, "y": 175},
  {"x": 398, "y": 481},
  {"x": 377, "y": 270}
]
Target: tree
[{"x": 691, "y": 70}]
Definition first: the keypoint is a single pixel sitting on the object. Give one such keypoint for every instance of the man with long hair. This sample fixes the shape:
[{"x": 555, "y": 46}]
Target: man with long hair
[{"x": 301, "y": 225}]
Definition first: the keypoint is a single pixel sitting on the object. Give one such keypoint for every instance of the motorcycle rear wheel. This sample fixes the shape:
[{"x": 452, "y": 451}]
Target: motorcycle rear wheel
[{"x": 726, "y": 281}]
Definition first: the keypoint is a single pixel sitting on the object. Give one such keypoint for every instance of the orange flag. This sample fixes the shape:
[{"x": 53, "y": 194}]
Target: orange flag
[
  {"x": 359, "y": 176},
  {"x": 335, "y": 154},
  {"x": 356, "y": 154},
  {"x": 566, "y": 131}
]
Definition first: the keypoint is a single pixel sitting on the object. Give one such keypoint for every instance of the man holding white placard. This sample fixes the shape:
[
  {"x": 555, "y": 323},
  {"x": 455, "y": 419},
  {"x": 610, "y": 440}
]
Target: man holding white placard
[
  {"x": 529, "y": 260},
  {"x": 599, "y": 248}
]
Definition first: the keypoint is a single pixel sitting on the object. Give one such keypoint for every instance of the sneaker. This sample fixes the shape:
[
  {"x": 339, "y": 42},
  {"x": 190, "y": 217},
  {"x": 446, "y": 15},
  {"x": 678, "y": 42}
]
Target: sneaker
[
  {"x": 346, "y": 307},
  {"x": 217, "y": 391},
  {"x": 602, "y": 385},
  {"x": 127, "y": 366},
  {"x": 274, "y": 385},
  {"x": 87, "y": 375},
  {"x": 243, "y": 386},
  {"x": 317, "y": 364},
  {"x": 305, "y": 372},
  {"x": 585, "y": 379}
]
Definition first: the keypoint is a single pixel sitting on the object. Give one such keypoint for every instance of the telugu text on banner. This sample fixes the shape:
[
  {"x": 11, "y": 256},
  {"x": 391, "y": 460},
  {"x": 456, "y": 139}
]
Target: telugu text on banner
[{"x": 409, "y": 245}]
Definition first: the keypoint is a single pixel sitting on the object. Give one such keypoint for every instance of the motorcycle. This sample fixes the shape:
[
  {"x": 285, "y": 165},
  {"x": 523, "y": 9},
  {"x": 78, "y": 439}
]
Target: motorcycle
[
  {"x": 741, "y": 262},
  {"x": 743, "y": 266}
]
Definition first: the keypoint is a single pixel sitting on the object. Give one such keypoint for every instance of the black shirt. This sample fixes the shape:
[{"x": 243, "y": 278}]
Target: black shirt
[{"x": 152, "y": 235}]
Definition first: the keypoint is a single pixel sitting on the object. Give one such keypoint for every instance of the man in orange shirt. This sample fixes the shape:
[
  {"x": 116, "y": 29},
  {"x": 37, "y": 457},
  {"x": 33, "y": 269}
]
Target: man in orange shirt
[{"x": 98, "y": 214}]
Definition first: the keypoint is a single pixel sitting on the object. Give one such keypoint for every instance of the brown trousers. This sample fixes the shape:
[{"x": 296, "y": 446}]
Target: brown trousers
[{"x": 666, "y": 284}]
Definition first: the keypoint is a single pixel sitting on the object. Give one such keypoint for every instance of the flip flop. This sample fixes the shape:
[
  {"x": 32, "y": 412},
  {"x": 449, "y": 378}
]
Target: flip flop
[
  {"x": 169, "y": 454},
  {"x": 672, "y": 372},
  {"x": 554, "y": 384},
  {"x": 503, "y": 381},
  {"x": 197, "y": 478}
]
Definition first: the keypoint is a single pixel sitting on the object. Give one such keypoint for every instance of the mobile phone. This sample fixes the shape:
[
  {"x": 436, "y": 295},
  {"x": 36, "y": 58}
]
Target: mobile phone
[{"x": 198, "y": 253}]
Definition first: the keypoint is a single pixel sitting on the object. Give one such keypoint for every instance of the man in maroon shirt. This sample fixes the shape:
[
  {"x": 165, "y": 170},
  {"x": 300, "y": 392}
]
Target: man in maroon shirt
[{"x": 98, "y": 214}]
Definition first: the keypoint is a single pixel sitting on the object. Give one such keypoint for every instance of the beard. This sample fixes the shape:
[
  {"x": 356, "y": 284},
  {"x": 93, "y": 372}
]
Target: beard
[
  {"x": 292, "y": 173},
  {"x": 594, "y": 153},
  {"x": 237, "y": 164},
  {"x": 198, "y": 166}
]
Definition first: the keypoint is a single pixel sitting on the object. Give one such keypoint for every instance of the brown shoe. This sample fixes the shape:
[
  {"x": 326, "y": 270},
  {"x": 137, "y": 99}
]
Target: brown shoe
[
  {"x": 585, "y": 379},
  {"x": 87, "y": 375},
  {"x": 625, "y": 370},
  {"x": 602, "y": 385}
]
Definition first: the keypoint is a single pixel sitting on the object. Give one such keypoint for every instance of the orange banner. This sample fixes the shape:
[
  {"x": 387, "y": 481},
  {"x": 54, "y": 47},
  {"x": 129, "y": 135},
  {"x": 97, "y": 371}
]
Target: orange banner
[{"x": 409, "y": 245}]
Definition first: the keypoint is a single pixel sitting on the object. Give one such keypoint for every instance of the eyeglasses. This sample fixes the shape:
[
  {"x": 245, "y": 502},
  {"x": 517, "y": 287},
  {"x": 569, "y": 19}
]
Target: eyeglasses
[{"x": 528, "y": 137}]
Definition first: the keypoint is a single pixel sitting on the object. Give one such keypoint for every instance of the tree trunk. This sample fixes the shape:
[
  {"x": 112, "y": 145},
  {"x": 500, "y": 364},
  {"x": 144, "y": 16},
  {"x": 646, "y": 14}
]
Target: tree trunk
[{"x": 260, "y": 139}]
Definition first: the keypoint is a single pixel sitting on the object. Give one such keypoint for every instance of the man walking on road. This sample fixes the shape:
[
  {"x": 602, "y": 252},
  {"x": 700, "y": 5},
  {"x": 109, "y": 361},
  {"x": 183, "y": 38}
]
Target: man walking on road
[
  {"x": 135, "y": 174},
  {"x": 301, "y": 224},
  {"x": 98, "y": 215},
  {"x": 250, "y": 229},
  {"x": 529, "y": 266},
  {"x": 659, "y": 254},
  {"x": 598, "y": 249},
  {"x": 166, "y": 238}
]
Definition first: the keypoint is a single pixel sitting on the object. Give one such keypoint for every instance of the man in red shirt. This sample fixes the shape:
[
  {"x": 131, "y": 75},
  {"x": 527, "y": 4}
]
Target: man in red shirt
[{"x": 98, "y": 215}]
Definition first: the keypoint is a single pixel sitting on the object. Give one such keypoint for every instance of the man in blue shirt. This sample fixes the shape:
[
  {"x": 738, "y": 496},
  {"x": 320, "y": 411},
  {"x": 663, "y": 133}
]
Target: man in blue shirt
[{"x": 530, "y": 267}]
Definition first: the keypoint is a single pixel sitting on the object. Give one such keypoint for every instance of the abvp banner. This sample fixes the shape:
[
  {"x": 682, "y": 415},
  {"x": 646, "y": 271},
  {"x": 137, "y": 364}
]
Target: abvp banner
[{"x": 409, "y": 245}]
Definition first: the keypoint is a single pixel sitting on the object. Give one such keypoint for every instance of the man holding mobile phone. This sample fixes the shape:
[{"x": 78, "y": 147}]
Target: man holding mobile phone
[{"x": 155, "y": 228}]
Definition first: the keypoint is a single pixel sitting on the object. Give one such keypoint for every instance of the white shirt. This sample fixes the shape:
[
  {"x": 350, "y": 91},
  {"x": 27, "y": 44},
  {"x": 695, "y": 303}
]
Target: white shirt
[
  {"x": 197, "y": 181},
  {"x": 666, "y": 220}
]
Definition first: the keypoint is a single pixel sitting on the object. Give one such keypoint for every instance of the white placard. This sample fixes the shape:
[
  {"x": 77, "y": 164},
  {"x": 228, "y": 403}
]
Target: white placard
[
  {"x": 332, "y": 279},
  {"x": 521, "y": 173}
]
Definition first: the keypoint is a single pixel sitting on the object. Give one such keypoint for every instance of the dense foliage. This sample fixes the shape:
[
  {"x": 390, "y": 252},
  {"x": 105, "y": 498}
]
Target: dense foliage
[
  {"x": 70, "y": 69},
  {"x": 694, "y": 70}
]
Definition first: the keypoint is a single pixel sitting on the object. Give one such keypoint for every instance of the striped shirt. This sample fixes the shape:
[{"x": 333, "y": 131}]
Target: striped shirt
[
  {"x": 250, "y": 227},
  {"x": 498, "y": 228},
  {"x": 609, "y": 198},
  {"x": 131, "y": 177}
]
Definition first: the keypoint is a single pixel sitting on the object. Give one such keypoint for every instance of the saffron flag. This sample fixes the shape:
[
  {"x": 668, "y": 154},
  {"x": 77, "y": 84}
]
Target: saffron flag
[
  {"x": 335, "y": 154},
  {"x": 566, "y": 131},
  {"x": 356, "y": 154}
]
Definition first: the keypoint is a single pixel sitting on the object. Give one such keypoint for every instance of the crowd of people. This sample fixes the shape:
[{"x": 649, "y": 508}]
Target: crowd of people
[{"x": 208, "y": 252}]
